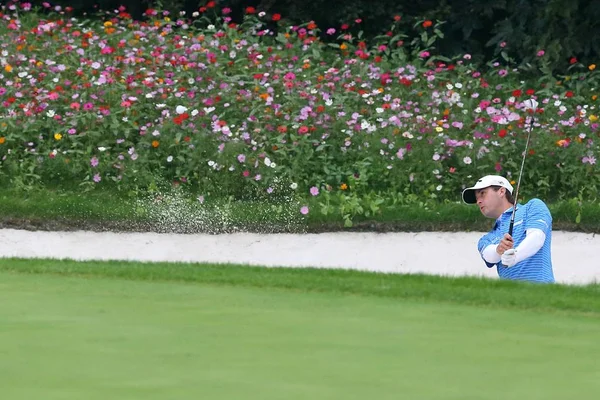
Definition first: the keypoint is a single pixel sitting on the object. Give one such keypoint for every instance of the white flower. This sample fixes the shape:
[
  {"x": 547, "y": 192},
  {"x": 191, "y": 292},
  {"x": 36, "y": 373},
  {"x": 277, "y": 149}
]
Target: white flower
[
  {"x": 156, "y": 133},
  {"x": 262, "y": 14},
  {"x": 273, "y": 165},
  {"x": 438, "y": 188},
  {"x": 211, "y": 163},
  {"x": 267, "y": 161},
  {"x": 294, "y": 186},
  {"x": 210, "y": 27},
  {"x": 101, "y": 148},
  {"x": 467, "y": 160},
  {"x": 180, "y": 109},
  {"x": 194, "y": 113},
  {"x": 436, "y": 157},
  {"x": 50, "y": 113},
  {"x": 530, "y": 104},
  {"x": 170, "y": 158}
]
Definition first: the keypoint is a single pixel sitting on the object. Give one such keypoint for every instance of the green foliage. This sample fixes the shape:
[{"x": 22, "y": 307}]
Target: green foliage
[{"x": 238, "y": 110}]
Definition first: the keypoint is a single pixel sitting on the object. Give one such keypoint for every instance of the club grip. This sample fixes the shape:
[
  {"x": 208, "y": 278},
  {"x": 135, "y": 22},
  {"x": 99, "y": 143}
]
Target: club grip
[{"x": 510, "y": 227}]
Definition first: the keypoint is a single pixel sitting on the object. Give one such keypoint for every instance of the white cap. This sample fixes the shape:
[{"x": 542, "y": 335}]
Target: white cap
[{"x": 468, "y": 194}]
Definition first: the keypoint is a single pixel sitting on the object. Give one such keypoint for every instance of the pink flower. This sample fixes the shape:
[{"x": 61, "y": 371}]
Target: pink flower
[
  {"x": 314, "y": 190},
  {"x": 589, "y": 160},
  {"x": 97, "y": 178},
  {"x": 94, "y": 162},
  {"x": 304, "y": 210},
  {"x": 541, "y": 53},
  {"x": 330, "y": 31},
  {"x": 241, "y": 158},
  {"x": 424, "y": 54}
]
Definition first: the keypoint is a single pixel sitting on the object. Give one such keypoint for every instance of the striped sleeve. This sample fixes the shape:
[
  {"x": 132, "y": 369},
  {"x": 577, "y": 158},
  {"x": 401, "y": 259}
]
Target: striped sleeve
[{"x": 538, "y": 216}]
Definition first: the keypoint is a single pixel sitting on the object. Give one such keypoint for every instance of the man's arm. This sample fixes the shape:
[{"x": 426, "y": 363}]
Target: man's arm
[
  {"x": 487, "y": 249},
  {"x": 533, "y": 242}
]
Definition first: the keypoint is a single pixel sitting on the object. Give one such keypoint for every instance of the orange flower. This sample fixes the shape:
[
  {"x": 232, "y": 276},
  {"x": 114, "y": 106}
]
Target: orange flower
[
  {"x": 8, "y": 68},
  {"x": 2, "y": 140},
  {"x": 343, "y": 186},
  {"x": 427, "y": 24},
  {"x": 155, "y": 143}
]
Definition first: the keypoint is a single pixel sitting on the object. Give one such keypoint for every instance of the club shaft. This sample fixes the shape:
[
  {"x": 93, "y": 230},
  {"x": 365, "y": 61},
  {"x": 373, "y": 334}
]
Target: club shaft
[{"x": 512, "y": 218}]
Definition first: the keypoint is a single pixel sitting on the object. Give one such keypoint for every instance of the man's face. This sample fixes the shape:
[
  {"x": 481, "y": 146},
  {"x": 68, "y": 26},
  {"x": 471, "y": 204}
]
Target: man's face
[{"x": 491, "y": 202}]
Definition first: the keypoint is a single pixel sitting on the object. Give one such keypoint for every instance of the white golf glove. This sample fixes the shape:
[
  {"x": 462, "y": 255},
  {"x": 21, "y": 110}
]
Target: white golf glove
[{"x": 509, "y": 258}]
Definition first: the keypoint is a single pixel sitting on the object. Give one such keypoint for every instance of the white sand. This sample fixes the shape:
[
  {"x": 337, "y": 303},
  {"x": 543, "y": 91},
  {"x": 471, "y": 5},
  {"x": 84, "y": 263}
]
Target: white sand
[{"x": 574, "y": 255}]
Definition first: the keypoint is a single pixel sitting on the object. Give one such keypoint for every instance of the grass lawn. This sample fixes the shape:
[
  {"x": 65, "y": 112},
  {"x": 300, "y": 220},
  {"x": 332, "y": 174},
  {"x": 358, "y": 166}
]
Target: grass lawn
[
  {"x": 48, "y": 209},
  {"x": 96, "y": 331}
]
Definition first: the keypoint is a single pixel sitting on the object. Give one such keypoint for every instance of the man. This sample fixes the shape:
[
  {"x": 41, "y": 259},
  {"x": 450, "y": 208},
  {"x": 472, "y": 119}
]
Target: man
[{"x": 526, "y": 254}]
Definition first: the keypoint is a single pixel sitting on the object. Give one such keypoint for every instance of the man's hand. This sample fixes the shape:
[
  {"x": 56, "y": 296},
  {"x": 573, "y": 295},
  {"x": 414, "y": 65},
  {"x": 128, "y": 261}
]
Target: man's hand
[
  {"x": 509, "y": 258},
  {"x": 505, "y": 244}
]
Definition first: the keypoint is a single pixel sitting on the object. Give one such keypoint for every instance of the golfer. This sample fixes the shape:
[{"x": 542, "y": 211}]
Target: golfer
[{"x": 526, "y": 254}]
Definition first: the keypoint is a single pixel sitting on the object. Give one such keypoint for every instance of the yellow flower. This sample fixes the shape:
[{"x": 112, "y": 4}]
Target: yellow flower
[
  {"x": 57, "y": 136},
  {"x": 107, "y": 24},
  {"x": 593, "y": 118},
  {"x": 439, "y": 129},
  {"x": 512, "y": 182},
  {"x": 561, "y": 142},
  {"x": 343, "y": 186},
  {"x": 592, "y": 67}
]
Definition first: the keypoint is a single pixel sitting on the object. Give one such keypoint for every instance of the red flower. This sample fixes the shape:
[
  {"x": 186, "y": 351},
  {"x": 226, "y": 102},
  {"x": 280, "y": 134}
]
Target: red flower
[
  {"x": 211, "y": 4},
  {"x": 427, "y": 24},
  {"x": 178, "y": 120},
  {"x": 573, "y": 60},
  {"x": 530, "y": 92},
  {"x": 569, "y": 94},
  {"x": 345, "y": 26},
  {"x": 517, "y": 92},
  {"x": 276, "y": 17},
  {"x": 502, "y": 133},
  {"x": 250, "y": 10}
]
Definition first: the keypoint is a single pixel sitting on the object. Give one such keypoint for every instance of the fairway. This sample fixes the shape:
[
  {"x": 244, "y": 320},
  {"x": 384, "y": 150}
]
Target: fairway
[{"x": 97, "y": 338}]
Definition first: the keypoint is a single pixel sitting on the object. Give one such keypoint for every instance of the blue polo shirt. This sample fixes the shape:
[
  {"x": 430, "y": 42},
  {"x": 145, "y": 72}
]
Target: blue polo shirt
[{"x": 537, "y": 268}]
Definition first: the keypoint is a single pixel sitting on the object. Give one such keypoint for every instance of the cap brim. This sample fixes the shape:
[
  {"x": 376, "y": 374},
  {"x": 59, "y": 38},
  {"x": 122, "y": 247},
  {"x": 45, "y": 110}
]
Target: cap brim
[{"x": 468, "y": 196}]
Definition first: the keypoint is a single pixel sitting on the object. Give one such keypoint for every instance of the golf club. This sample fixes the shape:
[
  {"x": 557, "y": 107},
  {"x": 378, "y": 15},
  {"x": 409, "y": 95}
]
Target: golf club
[{"x": 529, "y": 105}]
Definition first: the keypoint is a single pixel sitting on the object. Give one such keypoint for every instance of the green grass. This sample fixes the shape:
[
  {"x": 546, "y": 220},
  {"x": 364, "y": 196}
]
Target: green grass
[
  {"x": 106, "y": 209},
  {"x": 461, "y": 290},
  {"x": 86, "y": 336}
]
